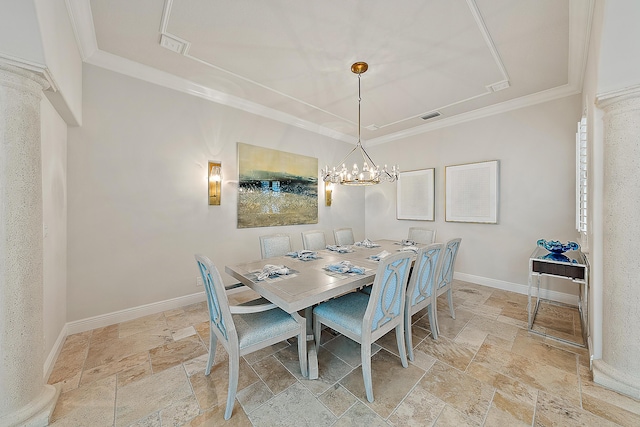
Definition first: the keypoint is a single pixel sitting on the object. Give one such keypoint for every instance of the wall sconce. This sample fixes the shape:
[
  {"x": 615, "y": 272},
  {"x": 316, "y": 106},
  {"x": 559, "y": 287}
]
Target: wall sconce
[
  {"x": 328, "y": 191},
  {"x": 215, "y": 182}
]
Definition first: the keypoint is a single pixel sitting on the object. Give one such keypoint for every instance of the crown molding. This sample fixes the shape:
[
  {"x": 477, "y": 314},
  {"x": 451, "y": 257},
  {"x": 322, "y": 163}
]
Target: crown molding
[
  {"x": 134, "y": 69},
  {"x": 33, "y": 67},
  {"x": 492, "y": 110},
  {"x": 82, "y": 23}
]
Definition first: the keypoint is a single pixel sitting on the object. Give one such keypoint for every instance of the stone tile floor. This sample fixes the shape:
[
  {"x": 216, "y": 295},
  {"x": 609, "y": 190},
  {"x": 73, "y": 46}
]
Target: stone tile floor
[{"x": 484, "y": 370}]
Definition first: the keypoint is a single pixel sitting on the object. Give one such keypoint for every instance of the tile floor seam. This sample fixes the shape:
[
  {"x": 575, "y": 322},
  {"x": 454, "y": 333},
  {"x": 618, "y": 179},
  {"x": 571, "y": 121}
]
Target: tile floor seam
[
  {"x": 486, "y": 415},
  {"x": 407, "y": 395}
]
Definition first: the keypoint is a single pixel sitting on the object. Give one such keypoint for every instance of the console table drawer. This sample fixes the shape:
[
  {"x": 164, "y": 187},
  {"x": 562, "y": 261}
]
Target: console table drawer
[{"x": 573, "y": 271}]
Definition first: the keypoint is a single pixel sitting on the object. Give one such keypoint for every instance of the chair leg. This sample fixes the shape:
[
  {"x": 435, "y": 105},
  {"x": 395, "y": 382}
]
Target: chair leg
[
  {"x": 317, "y": 331},
  {"x": 213, "y": 342},
  {"x": 365, "y": 353},
  {"x": 450, "y": 299},
  {"x": 432, "y": 321},
  {"x": 402, "y": 349},
  {"x": 407, "y": 333},
  {"x": 234, "y": 368}
]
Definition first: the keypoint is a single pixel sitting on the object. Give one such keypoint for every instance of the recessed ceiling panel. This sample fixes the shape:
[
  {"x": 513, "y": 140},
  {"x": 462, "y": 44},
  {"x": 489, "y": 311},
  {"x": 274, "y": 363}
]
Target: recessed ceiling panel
[{"x": 295, "y": 57}]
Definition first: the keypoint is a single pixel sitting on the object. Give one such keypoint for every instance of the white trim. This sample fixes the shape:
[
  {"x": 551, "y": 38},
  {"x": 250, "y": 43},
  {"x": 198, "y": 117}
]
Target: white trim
[
  {"x": 580, "y": 21},
  {"x": 603, "y": 99},
  {"x": 55, "y": 352},
  {"x": 81, "y": 18},
  {"x": 132, "y": 313},
  {"x": 491, "y": 110},
  {"x": 517, "y": 288},
  {"x": 34, "y": 67},
  {"x": 152, "y": 75}
]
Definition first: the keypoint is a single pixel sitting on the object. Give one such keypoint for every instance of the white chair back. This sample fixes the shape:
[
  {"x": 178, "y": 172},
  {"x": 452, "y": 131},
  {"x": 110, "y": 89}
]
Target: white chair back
[
  {"x": 343, "y": 236},
  {"x": 274, "y": 245},
  {"x": 422, "y": 235},
  {"x": 314, "y": 240}
]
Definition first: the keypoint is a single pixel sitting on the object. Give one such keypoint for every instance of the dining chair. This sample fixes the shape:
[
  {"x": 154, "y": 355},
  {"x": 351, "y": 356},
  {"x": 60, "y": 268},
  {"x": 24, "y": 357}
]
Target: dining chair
[
  {"x": 273, "y": 245},
  {"x": 445, "y": 278},
  {"x": 314, "y": 240},
  {"x": 364, "y": 318},
  {"x": 422, "y": 235},
  {"x": 245, "y": 328},
  {"x": 421, "y": 290},
  {"x": 343, "y": 236}
]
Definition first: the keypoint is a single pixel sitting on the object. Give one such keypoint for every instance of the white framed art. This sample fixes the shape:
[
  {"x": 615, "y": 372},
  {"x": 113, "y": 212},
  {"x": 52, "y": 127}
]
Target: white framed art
[
  {"x": 415, "y": 197},
  {"x": 471, "y": 192}
]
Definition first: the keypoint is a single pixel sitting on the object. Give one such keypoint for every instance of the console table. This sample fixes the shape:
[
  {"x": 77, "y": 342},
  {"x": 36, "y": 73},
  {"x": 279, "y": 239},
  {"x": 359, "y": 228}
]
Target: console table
[{"x": 571, "y": 265}]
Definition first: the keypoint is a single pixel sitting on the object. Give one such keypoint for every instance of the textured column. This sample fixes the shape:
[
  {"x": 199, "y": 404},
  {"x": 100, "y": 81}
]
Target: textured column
[
  {"x": 25, "y": 399},
  {"x": 619, "y": 368}
]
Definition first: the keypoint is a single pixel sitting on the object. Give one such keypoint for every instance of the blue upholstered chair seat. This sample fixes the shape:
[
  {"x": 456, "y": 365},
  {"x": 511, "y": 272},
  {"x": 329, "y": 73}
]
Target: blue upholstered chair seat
[
  {"x": 256, "y": 327},
  {"x": 346, "y": 311}
]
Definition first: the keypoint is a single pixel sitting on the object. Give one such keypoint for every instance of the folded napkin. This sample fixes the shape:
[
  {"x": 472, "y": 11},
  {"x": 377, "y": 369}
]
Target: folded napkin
[
  {"x": 339, "y": 249},
  {"x": 345, "y": 267},
  {"x": 303, "y": 255},
  {"x": 380, "y": 256},
  {"x": 410, "y": 248},
  {"x": 270, "y": 270},
  {"x": 366, "y": 243}
]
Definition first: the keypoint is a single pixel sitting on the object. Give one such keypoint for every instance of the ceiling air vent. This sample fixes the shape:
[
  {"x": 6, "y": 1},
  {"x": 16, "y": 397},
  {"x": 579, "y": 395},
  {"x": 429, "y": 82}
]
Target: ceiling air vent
[{"x": 431, "y": 115}]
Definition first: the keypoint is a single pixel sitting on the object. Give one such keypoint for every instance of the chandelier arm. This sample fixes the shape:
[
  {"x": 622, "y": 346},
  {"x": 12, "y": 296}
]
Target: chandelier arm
[
  {"x": 365, "y": 156},
  {"x": 342, "y": 162}
]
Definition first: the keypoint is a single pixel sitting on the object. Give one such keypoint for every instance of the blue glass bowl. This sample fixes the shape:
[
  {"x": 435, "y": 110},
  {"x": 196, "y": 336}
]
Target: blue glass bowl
[{"x": 557, "y": 247}]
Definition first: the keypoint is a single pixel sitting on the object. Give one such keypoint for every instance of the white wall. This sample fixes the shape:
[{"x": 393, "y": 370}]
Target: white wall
[
  {"x": 536, "y": 150},
  {"x": 54, "y": 202},
  {"x": 137, "y": 192},
  {"x": 19, "y": 32},
  {"x": 62, "y": 59},
  {"x": 619, "y": 62}
]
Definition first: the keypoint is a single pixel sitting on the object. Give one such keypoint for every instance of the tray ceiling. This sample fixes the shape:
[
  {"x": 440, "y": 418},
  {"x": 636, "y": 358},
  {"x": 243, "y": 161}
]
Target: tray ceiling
[{"x": 291, "y": 60}]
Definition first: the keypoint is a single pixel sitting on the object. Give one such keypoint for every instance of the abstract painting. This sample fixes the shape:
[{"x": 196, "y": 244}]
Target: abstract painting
[{"x": 276, "y": 187}]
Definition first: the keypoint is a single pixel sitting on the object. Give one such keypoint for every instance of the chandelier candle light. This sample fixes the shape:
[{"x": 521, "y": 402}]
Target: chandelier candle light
[{"x": 370, "y": 173}]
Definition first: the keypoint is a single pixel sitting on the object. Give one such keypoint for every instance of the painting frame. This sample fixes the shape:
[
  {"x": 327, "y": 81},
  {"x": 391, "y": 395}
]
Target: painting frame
[
  {"x": 275, "y": 188},
  {"x": 415, "y": 195},
  {"x": 472, "y": 192}
]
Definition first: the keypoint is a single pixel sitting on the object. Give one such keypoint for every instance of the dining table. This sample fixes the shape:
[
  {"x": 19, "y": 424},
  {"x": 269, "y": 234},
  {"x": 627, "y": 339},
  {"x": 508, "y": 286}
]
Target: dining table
[{"x": 308, "y": 282}]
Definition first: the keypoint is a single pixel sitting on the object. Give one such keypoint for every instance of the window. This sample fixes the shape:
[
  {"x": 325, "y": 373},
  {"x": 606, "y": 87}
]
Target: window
[{"x": 581, "y": 177}]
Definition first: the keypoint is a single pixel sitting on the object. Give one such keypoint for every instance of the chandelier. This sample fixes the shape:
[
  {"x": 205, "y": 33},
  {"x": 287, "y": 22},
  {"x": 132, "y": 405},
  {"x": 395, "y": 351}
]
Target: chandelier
[{"x": 369, "y": 173}]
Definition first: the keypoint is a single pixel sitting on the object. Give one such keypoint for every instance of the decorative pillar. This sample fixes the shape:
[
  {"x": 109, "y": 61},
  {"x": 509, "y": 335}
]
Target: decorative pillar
[
  {"x": 25, "y": 399},
  {"x": 619, "y": 368}
]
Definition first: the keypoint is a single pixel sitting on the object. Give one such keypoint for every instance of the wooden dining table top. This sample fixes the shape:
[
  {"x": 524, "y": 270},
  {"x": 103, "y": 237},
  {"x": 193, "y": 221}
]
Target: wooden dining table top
[{"x": 308, "y": 282}]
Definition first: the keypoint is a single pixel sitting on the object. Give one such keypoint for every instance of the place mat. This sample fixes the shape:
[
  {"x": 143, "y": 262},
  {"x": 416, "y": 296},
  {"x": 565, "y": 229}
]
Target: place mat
[
  {"x": 271, "y": 273},
  {"x": 366, "y": 243},
  {"x": 339, "y": 249},
  {"x": 381, "y": 255},
  {"x": 304, "y": 255}
]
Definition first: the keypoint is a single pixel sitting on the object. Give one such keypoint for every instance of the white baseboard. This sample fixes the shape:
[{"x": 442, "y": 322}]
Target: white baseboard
[
  {"x": 103, "y": 320},
  {"x": 132, "y": 313},
  {"x": 517, "y": 288},
  {"x": 55, "y": 352}
]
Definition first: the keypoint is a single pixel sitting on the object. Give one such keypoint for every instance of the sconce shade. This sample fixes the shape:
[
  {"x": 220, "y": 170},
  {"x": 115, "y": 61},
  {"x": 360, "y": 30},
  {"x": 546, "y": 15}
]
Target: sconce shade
[
  {"x": 328, "y": 193},
  {"x": 215, "y": 182}
]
